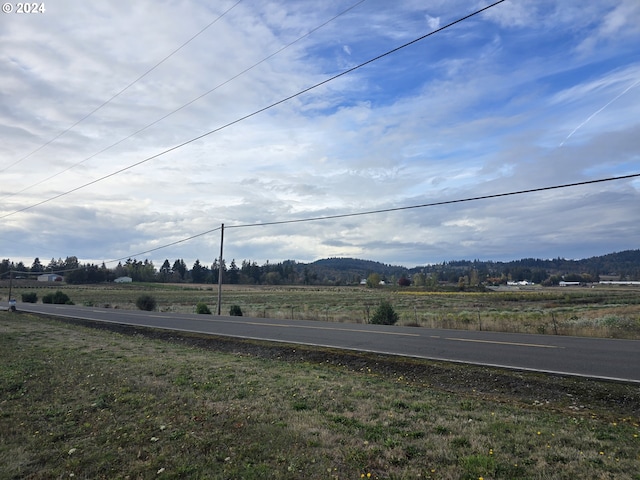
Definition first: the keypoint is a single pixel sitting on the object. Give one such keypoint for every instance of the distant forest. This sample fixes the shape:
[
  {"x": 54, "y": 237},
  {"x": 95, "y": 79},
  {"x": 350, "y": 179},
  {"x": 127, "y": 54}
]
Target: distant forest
[{"x": 343, "y": 271}]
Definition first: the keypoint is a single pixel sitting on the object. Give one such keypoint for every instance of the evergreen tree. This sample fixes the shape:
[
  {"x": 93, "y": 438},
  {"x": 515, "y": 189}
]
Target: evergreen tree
[
  {"x": 165, "y": 270},
  {"x": 233, "y": 274},
  {"x": 198, "y": 272},
  {"x": 36, "y": 266},
  {"x": 180, "y": 268},
  {"x": 385, "y": 314}
]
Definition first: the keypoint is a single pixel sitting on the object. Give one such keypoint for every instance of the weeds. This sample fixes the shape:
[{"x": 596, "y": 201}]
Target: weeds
[
  {"x": 30, "y": 297},
  {"x": 203, "y": 309},
  {"x": 601, "y": 311},
  {"x": 83, "y": 403},
  {"x": 59, "y": 298},
  {"x": 146, "y": 302}
]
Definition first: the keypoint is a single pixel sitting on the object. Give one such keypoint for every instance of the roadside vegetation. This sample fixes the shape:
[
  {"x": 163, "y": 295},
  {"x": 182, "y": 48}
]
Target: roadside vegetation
[
  {"x": 79, "y": 402},
  {"x": 603, "y": 311},
  {"x": 146, "y": 302},
  {"x": 58, "y": 298}
]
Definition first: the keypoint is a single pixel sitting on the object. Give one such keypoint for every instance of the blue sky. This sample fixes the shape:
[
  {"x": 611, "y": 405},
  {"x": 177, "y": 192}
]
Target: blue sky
[{"x": 526, "y": 95}]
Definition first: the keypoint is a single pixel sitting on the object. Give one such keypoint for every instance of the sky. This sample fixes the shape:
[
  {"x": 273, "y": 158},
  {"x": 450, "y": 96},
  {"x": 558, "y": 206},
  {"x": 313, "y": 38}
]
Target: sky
[{"x": 128, "y": 127}]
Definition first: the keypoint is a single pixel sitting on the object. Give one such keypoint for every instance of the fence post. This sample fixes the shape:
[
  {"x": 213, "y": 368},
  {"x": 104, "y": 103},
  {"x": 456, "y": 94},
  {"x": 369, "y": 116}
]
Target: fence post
[{"x": 555, "y": 325}]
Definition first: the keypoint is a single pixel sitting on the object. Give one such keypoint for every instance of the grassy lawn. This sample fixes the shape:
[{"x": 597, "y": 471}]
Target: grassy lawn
[{"x": 79, "y": 402}]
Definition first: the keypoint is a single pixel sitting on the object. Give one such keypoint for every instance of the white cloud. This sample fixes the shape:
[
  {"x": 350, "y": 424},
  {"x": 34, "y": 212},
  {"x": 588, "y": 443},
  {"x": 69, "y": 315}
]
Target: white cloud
[
  {"x": 478, "y": 109},
  {"x": 621, "y": 22},
  {"x": 433, "y": 22}
]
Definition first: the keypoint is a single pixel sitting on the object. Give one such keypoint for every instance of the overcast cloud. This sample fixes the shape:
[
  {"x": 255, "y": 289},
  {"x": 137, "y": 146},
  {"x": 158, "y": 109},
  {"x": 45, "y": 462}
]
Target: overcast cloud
[{"x": 529, "y": 94}]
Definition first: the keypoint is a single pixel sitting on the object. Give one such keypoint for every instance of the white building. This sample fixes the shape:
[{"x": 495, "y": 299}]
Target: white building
[
  {"x": 49, "y": 277},
  {"x": 123, "y": 280}
]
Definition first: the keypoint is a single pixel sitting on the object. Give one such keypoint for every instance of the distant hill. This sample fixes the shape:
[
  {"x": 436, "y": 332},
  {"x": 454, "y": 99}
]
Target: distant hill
[
  {"x": 352, "y": 270},
  {"x": 355, "y": 264},
  {"x": 623, "y": 265}
]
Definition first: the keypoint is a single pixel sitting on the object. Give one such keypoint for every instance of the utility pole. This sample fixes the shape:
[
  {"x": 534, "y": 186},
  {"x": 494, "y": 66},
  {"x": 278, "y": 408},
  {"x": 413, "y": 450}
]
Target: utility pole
[
  {"x": 12, "y": 302},
  {"x": 10, "y": 282},
  {"x": 220, "y": 270}
]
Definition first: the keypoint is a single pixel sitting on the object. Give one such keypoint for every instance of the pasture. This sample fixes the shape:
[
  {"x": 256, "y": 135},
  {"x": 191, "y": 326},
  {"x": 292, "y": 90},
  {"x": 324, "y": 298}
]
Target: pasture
[{"x": 602, "y": 311}]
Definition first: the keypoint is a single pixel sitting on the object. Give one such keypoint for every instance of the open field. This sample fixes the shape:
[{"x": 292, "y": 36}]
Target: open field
[
  {"x": 604, "y": 311},
  {"x": 79, "y": 402}
]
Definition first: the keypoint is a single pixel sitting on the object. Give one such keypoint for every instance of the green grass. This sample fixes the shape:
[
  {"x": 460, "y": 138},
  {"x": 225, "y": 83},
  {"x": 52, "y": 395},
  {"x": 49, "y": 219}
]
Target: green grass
[{"x": 88, "y": 403}]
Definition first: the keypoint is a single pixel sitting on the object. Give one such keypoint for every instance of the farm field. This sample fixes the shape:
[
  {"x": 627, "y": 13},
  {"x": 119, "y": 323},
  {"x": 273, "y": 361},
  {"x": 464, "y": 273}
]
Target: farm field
[
  {"x": 81, "y": 402},
  {"x": 603, "y": 311}
]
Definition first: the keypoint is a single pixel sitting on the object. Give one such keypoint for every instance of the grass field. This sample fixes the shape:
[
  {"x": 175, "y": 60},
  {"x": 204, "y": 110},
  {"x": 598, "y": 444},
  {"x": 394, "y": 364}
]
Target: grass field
[
  {"x": 603, "y": 311},
  {"x": 79, "y": 402}
]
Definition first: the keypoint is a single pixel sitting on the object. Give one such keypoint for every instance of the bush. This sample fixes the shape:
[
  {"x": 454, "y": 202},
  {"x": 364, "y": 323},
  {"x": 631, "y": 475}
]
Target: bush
[
  {"x": 31, "y": 297},
  {"x": 384, "y": 314},
  {"x": 58, "y": 298},
  {"x": 146, "y": 302},
  {"x": 235, "y": 311},
  {"x": 202, "y": 309}
]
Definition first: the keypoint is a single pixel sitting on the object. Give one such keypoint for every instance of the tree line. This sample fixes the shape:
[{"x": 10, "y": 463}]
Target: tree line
[
  {"x": 248, "y": 272},
  {"x": 342, "y": 271}
]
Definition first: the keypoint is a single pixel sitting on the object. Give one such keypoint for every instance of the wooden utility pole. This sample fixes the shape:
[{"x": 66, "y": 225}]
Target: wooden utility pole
[
  {"x": 12, "y": 302},
  {"x": 220, "y": 270}
]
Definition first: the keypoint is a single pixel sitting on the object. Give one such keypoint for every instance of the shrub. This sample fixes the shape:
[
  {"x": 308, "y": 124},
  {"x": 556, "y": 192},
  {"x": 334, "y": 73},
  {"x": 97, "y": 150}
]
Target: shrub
[
  {"x": 58, "y": 298},
  {"x": 31, "y": 297},
  {"x": 202, "y": 309},
  {"x": 146, "y": 302},
  {"x": 235, "y": 311},
  {"x": 384, "y": 314}
]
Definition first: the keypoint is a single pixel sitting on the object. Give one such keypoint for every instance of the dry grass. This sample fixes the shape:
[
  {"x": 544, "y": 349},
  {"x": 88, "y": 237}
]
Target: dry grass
[
  {"x": 85, "y": 403},
  {"x": 605, "y": 311}
]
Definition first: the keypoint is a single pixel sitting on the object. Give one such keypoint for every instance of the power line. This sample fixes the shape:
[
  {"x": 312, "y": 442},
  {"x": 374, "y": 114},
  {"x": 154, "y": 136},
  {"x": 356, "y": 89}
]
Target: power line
[
  {"x": 373, "y": 212},
  {"x": 395, "y": 209},
  {"x": 259, "y": 111},
  {"x": 165, "y": 246},
  {"x": 229, "y": 80},
  {"x": 435, "y": 204},
  {"x": 121, "y": 91},
  {"x": 134, "y": 254}
]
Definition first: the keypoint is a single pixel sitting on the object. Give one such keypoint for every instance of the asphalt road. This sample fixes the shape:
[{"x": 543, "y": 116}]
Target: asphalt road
[{"x": 588, "y": 357}]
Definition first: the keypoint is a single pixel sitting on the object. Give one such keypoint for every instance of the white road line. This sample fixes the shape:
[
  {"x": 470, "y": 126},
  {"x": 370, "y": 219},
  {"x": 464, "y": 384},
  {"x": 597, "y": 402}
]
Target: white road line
[
  {"x": 332, "y": 328},
  {"x": 503, "y": 343}
]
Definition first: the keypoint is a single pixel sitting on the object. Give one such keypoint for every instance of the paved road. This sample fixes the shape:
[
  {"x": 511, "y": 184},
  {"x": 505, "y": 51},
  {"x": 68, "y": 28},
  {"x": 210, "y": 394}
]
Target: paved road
[{"x": 589, "y": 357}]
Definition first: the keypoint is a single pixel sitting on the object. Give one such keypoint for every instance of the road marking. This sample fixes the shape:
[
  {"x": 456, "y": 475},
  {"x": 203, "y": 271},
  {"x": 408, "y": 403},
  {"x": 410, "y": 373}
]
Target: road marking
[
  {"x": 503, "y": 343},
  {"x": 331, "y": 328},
  {"x": 309, "y": 327}
]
